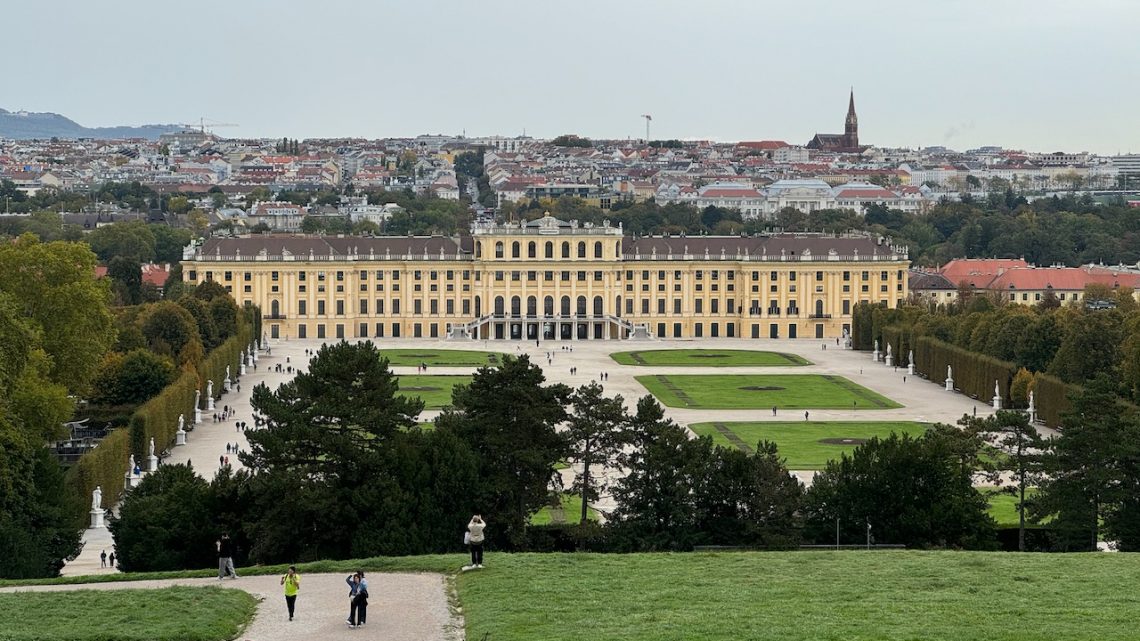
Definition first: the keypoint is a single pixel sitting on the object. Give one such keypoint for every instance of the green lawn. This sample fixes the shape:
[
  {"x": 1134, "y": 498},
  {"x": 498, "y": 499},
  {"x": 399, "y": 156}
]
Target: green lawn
[
  {"x": 1003, "y": 506},
  {"x": 800, "y": 442},
  {"x": 762, "y": 391},
  {"x": 434, "y": 390},
  {"x": 804, "y": 596},
  {"x": 174, "y": 614},
  {"x": 707, "y": 358},
  {"x": 759, "y": 596},
  {"x": 440, "y": 357},
  {"x": 571, "y": 512}
]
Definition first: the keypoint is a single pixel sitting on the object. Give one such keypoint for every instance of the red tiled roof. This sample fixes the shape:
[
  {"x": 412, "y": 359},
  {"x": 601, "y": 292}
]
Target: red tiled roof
[
  {"x": 730, "y": 193},
  {"x": 764, "y": 144},
  {"x": 978, "y": 271},
  {"x": 867, "y": 193},
  {"x": 1066, "y": 278}
]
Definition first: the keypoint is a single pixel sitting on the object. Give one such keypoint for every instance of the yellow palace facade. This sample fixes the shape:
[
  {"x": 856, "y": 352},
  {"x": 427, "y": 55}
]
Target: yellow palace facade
[{"x": 554, "y": 280}]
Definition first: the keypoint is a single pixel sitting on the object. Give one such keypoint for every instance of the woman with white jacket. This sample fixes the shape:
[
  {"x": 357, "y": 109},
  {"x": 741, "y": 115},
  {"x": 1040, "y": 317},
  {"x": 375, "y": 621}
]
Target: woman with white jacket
[{"x": 475, "y": 540}]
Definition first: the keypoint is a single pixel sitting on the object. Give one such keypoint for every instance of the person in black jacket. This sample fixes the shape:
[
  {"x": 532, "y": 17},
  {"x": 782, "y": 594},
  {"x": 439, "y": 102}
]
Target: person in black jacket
[{"x": 226, "y": 557}]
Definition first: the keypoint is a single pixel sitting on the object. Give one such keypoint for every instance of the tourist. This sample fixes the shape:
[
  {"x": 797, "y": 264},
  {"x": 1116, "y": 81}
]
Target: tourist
[
  {"x": 221, "y": 460},
  {"x": 111, "y": 559},
  {"x": 475, "y": 540},
  {"x": 357, "y": 600},
  {"x": 103, "y": 559},
  {"x": 805, "y": 415},
  {"x": 226, "y": 557},
  {"x": 773, "y": 410},
  {"x": 292, "y": 583}
]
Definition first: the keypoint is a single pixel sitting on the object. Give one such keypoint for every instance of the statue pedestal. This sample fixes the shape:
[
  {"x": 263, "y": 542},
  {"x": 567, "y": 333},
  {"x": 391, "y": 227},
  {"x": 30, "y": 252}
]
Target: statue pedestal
[
  {"x": 152, "y": 463},
  {"x": 97, "y": 519},
  {"x": 130, "y": 481},
  {"x": 997, "y": 402},
  {"x": 949, "y": 385},
  {"x": 890, "y": 360},
  {"x": 197, "y": 416},
  {"x": 180, "y": 437},
  {"x": 241, "y": 370},
  {"x": 875, "y": 356},
  {"x": 226, "y": 385},
  {"x": 910, "y": 369},
  {"x": 210, "y": 404}
]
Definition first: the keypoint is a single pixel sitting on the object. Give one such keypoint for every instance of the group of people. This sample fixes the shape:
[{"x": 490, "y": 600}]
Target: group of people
[{"x": 103, "y": 559}]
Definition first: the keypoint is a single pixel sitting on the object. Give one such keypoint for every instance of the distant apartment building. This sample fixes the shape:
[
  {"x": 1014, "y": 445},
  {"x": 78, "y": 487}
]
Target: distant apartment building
[{"x": 278, "y": 216}]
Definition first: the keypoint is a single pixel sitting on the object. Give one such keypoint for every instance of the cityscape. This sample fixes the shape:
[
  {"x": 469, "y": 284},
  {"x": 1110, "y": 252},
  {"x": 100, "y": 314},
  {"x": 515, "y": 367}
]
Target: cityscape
[{"x": 720, "y": 321}]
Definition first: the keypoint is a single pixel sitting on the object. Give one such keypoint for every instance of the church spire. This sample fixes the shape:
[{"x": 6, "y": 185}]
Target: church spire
[
  {"x": 851, "y": 127},
  {"x": 851, "y": 104}
]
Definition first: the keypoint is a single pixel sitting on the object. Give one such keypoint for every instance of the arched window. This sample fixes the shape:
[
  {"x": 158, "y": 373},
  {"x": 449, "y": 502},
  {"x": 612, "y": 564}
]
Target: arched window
[
  {"x": 581, "y": 306},
  {"x": 548, "y": 306},
  {"x": 498, "y": 305},
  {"x": 582, "y": 249},
  {"x": 515, "y": 249},
  {"x": 617, "y": 249},
  {"x": 549, "y": 249},
  {"x": 478, "y": 306},
  {"x": 598, "y": 301},
  {"x": 819, "y": 309},
  {"x": 531, "y": 306},
  {"x": 479, "y": 249},
  {"x": 499, "y": 249},
  {"x": 617, "y": 307},
  {"x": 530, "y": 250},
  {"x": 598, "y": 249},
  {"x": 275, "y": 309},
  {"x": 565, "y": 305},
  {"x": 565, "y": 249},
  {"x": 516, "y": 306}
]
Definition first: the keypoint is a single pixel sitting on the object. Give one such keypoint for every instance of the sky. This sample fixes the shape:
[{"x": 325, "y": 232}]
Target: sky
[{"x": 1040, "y": 75}]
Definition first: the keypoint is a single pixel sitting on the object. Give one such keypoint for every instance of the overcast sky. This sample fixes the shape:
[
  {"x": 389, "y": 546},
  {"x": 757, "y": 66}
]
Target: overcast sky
[{"x": 1035, "y": 74}]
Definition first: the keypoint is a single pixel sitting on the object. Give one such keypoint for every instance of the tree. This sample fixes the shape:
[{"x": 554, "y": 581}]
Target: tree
[
  {"x": 169, "y": 243},
  {"x": 1091, "y": 342},
  {"x": 1090, "y": 469},
  {"x": 55, "y": 286},
  {"x": 132, "y": 378},
  {"x": 507, "y": 416},
  {"x": 595, "y": 432},
  {"x": 133, "y": 240},
  {"x": 170, "y": 330},
  {"x": 207, "y": 331},
  {"x": 126, "y": 275},
  {"x": 571, "y": 140},
  {"x": 208, "y": 290},
  {"x": 1021, "y": 448},
  {"x": 166, "y": 523},
  {"x": 224, "y": 314},
  {"x": 179, "y": 205},
  {"x": 915, "y": 491},
  {"x": 656, "y": 509},
  {"x": 748, "y": 499},
  {"x": 1020, "y": 388}
]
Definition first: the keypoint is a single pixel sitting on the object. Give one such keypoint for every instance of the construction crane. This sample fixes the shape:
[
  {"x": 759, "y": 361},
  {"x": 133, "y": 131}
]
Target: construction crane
[
  {"x": 648, "y": 119},
  {"x": 203, "y": 124}
]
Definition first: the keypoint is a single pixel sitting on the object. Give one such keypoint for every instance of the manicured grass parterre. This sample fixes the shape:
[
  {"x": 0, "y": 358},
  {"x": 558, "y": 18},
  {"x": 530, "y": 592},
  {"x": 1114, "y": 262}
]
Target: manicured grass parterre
[
  {"x": 569, "y": 510},
  {"x": 440, "y": 357},
  {"x": 708, "y": 358},
  {"x": 807, "y": 445},
  {"x": 1003, "y": 506},
  {"x": 170, "y": 614},
  {"x": 434, "y": 390},
  {"x": 762, "y": 391},
  {"x": 803, "y": 596}
]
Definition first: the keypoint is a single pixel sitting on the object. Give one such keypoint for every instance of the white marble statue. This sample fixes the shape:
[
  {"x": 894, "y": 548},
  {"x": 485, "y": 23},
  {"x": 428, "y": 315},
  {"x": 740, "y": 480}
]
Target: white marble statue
[
  {"x": 997, "y": 390},
  {"x": 97, "y": 498},
  {"x": 210, "y": 388},
  {"x": 888, "y": 349},
  {"x": 228, "y": 377},
  {"x": 131, "y": 465},
  {"x": 876, "y": 344},
  {"x": 198, "y": 399},
  {"x": 152, "y": 443},
  {"x": 1030, "y": 399},
  {"x": 910, "y": 356},
  {"x": 949, "y": 372},
  {"x": 181, "y": 426}
]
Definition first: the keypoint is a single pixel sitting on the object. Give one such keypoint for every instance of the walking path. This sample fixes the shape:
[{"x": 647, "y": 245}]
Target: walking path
[{"x": 402, "y": 607}]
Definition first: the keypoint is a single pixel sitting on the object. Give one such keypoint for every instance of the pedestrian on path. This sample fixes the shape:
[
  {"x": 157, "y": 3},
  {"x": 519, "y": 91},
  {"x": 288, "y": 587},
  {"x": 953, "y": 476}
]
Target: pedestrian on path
[
  {"x": 226, "y": 557},
  {"x": 111, "y": 558},
  {"x": 773, "y": 410},
  {"x": 357, "y": 600},
  {"x": 292, "y": 583},
  {"x": 103, "y": 559},
  {"x": 805, "y": 415},
  {"x": 475, "y": 540}
]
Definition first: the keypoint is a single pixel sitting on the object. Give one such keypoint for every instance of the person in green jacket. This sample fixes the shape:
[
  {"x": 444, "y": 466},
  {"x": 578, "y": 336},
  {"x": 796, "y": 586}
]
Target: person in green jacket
[{"x": 292, "y": 583}]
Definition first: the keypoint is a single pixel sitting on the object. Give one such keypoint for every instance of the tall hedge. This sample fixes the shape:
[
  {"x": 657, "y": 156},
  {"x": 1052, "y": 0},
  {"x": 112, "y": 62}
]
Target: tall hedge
[
  {"x": 213, "y": 367},
  {"x": 158, "y": 417},
  {"x": 1051, "y": 396},
  {"x": 899, "y": 338},
  {"x": 105, "y": 465},
  {"x": 974, "y": 374}
]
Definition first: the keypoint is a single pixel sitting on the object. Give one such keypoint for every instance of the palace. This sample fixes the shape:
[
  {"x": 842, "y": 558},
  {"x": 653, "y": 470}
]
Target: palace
[{"x": 551, "y": 279}]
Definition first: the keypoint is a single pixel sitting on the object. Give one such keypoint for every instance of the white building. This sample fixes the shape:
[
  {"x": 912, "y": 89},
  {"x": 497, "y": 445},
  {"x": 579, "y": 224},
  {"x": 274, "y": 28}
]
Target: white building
[
  {"x": 806, "y": 195},
  {"x": 278, "y": 216}
]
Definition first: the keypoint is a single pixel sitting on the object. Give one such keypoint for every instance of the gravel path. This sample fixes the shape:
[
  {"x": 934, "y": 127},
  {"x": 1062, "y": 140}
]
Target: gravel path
[{"x": 403, "y": 607}]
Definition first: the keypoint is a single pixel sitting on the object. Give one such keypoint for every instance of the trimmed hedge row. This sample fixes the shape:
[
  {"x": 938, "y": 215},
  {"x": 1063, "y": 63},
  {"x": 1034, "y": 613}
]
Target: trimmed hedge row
[
  {"x": 899, "y": 338},
  {"x": 1051, "y": 396},
  {"x": 105, "y": 465},
  {"x": 974, "y": 374},
  {"x": 158, "y": 418}
]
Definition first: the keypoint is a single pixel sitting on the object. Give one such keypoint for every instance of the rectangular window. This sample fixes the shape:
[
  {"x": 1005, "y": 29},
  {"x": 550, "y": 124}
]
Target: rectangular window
[
  {"x": 450, "y": 307},
  {"x": 395, "y": 309},
  {"x": 301, "y": 276},
  {"x": 628, "y": 306},
  {"x": 773, "y": 276},
  {"x": 792, "y": 276},
  {"x": 846, "y": 307},
  {"x": 321, "y": 330},
  {"x": 597, "y": 276},
  {"x": 700, "y": 308},
  {"x": 363, "y": 305},
  {"x": 364, "y": 276},
  {"x": 466, "y": 307},
  {"x": 660, "y": 306},
  {"x": 846, "y": 276},
  {"x": 302, "y": 331},
  {"x": 320, "y": 308},
  {"x": 417, "y": 306},
  {"x": 676, "y": 305},
  {"x": 714, "y": 306},
  {"x": 379, "y": 330},
  {"x": 698, "y": 330},
  {"x": 302, "y": 307},
  {"x": 395, "y": 330},
  {"x": 379, "y": 308},
  {"x": 819, "y": 277},
  {"x": 340, "y": 275},
  {"x": 340, "y": 308},
  {"x": 433, "y": 307}
]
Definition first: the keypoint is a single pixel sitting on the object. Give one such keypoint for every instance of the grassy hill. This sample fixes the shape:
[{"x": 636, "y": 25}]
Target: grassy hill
[{"x": 788, "y": 596}]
